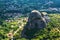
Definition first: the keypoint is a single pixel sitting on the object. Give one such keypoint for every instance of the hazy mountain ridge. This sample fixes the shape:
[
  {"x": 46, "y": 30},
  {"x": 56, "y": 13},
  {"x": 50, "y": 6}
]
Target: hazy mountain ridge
[
  {"x": 30, "y": 4},
  {"x": 11, "y": 8}
]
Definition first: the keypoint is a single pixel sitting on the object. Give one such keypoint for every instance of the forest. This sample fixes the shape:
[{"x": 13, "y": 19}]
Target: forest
[{"x": 14, "y": 16}]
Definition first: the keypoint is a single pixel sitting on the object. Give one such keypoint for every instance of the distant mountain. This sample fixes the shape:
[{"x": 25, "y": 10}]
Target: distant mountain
[
  {"x": 28, "y": 5},
  {"x": 16, "y": 8}
]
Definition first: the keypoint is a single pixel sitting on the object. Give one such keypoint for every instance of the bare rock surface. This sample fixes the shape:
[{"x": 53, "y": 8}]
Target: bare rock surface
[{"x": 35, "y": 22}]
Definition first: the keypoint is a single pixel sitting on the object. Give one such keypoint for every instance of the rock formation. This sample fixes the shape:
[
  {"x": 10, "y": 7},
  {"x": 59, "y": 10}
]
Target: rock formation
[{"x": 34, "y": 24}]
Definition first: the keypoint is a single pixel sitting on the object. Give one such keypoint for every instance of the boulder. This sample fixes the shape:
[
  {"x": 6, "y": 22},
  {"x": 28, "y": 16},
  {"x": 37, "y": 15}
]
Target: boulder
[{"x": 34, "y": 24}]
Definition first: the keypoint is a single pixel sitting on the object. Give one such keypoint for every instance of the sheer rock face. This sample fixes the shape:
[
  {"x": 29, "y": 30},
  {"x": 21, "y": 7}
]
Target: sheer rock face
[{"x": 34, "y": 24}]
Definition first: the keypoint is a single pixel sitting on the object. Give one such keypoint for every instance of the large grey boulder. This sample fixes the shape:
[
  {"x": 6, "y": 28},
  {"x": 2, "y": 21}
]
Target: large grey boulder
[{"x": 34, "y": 24}]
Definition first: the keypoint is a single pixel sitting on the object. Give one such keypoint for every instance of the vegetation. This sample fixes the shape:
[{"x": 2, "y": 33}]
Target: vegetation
[{"x": 51, "y": 32}]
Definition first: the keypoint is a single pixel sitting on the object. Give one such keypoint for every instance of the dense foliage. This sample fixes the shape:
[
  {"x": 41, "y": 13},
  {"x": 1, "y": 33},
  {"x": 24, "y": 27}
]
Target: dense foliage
[
  {"x": 21, "y": 5},
  {"x": 51, "y": 32}
]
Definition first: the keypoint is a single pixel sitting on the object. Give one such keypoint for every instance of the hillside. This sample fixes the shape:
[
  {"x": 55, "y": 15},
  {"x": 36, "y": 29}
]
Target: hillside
[
  {"x": 6, "y": 5},
  {"x": 51, "y": 32}
]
